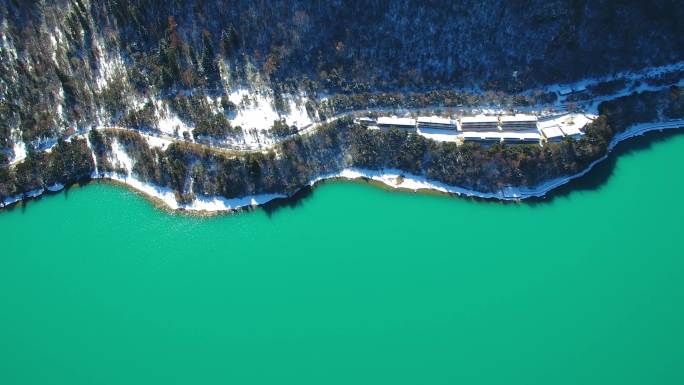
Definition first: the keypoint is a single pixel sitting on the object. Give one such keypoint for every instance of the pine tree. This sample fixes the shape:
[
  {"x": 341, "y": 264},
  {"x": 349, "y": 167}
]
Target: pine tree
[
  {"x": 229, "y": 41},
  {"x": 209, "y": 67}
]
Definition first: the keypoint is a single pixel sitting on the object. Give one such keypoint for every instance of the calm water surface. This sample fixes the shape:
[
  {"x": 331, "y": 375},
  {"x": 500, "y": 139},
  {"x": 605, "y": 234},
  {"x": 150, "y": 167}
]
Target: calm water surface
[{"x": 355, "y": 285}]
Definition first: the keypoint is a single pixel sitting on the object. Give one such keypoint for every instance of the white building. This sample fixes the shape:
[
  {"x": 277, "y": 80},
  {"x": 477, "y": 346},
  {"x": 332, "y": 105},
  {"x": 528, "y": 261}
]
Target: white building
[
  {"x": 520, "y": 137},
  {"x": 479, "y": 123},
  {"x": 518, "y": 122},
  {"x": 572, "y": 131},
  {"x": 434, "y": 122},
  {"x": 394, "y": 122},
  {"x": 501, "y": 136},
  {"x": 482, "y": 136},
  {"x": 571, "y": 125},
  {"x": 366, "y": 122},
  {"x": 552, "y": 133}
]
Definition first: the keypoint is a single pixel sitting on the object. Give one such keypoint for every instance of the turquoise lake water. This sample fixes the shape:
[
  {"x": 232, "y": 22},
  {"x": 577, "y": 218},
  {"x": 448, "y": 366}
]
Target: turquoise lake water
[{"x": 353, "y": 285}]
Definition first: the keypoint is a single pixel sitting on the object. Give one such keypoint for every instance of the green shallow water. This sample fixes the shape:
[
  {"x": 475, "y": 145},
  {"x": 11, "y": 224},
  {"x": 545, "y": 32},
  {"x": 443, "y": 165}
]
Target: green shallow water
[{"x": 355, "y": 285}]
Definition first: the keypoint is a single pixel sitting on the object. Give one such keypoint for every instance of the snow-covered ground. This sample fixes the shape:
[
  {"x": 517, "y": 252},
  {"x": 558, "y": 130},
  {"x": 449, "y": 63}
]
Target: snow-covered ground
[
  {"x": 400, "y": 180},
  {"x": 256, "y": 110},
  {"x": 7, "y": 45},
  {"x": 55, "y": 187},
  {"x": 440, "y": 135},
  {"x": 200, "y": 204},
  {"x": 218, "y": 204},
  {"x": 255, "y": 139},
  {"x": 34, "y": 193},
  {"x": 11, "y": 200},
  {"x": 581, "y": 85},
  {"x": 560, "y": 105},
  {"x": 19, "y": 151},
  {"x": 120, "y": 158},
  {"x": 110, "y": 67},
  {"x": 168, "y": 122},
  {"x": 156, "y": 141},
  {"x": 255, "y": 115}
]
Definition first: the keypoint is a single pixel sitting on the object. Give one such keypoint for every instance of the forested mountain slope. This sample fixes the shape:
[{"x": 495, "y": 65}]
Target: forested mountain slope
[{"x": 78, "y": 63}]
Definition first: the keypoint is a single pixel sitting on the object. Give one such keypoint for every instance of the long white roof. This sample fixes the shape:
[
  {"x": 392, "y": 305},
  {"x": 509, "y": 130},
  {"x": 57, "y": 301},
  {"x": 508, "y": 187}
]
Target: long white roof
[
  {"x": 394, "y": 121},
  {"x": 434, "y": 120},
  {"x": 518, "y": 118},
  {"x": 480, "y": 119}
]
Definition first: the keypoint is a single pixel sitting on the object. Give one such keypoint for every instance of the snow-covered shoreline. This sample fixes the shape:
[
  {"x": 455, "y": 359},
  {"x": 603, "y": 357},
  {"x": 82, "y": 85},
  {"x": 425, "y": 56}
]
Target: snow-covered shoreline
[
  {"x": 392, "y": 178},
  {"x": 399, "y": 180},
  {"x": 202, "y": 204}
]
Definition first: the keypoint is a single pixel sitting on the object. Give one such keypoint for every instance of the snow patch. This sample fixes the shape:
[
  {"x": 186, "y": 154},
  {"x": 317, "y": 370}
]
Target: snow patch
[
  {"x": 60, "y": 101},
  {"x": 19, "y": 148},
  {"x": 256, "y": 110},
  {"x": 111, "y": 66},
  {"x": 581, "y": 85},
  {"x": 439, "y": 135},
  {"x": 156, "y": 141},
  {"x": 217, "y": 204},
  {"x": 55, "y": 187},
  {"x": 11, "y": 200},
  {"x": 400, "y": 180},
  {"x": 200, "y": 204},
  {"x": 298, "y": 116},
  {"x": 120, "y": 157},
  {"x": 34, "y": 193},
  {"x": 6, "y": 45},
  {"x": 166, "y": 195},
  {"x": 168, "y": 122}
]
